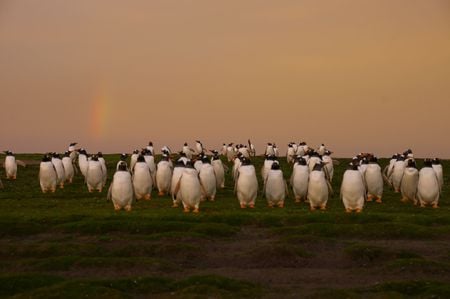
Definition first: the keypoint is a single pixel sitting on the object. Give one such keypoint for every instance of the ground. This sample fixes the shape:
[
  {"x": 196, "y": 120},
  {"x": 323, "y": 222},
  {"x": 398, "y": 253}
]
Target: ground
[{"x": 73, "y": 244}]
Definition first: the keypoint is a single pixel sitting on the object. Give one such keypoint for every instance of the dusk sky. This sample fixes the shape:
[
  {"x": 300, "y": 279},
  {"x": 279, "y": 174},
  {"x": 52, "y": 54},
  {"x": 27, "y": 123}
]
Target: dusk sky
[{"x": 356, "y": 75}]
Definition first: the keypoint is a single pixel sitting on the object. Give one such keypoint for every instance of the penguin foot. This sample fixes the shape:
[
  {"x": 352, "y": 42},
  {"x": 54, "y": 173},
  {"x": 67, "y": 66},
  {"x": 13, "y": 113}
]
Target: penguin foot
[
  {"x": 160, "y": 193},
  {"x": 116, "y": 207},
  {"x": 298, "y": 200},
  {"x": 186, "y": 210},
  {"x": 61, "y": 186},
  {"x": 270, "y": 205},
  {"x": 196, "y": 210},
  {"x": 281, "y": 205},
  {"x": 358, "y": 210},
  {"x": 251, "y": 206},
  {"x": 128, "y": 208},
  {"x": 175, "y": 205},
  {"x": 369, "y": 198},
  {"x": 323, "y": 208},
  {"x": 148, "y": 197},
  {"x": 435, "y": 206},
  {"x": 404, "y": 200},
  {"x": 243, "y": 205},
  {"x": 53, "y": 190},
  {"x": 348, "y": 211},
  {"x": 378, "y": 200},
  {"x": 312, "y": 208}
]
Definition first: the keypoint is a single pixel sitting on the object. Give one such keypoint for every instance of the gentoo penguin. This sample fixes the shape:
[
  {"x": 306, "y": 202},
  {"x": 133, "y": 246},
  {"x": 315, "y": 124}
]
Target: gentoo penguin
[
  {"x": 290, "y": 154},
  {"x": 208, "y": 179},
  {"x": 73, "y": 153},
  {"x": 329, "y": 167},
  {"x": 149, "y": 148},
  {"x": 269, "y": 150},
  {"x": 409, "y": 182},
  {"x": 82, "y": 161},
  {"x": 299, "y": 179},
  {"x": 10, "y": 165},
  {"x": 163, "y": 176},
  {"x": 374, "y": 180},
  {"x": 321, "y": 150},
  {"x": 237, "y": 162},
  {"x": 187, "y": 151},
  {"x": 246, "y": 185},
  {"x": 251, "y": 148},
  {"x": 388, "y": 169},
  {"x": 47, "y": 175},
  {"x": 142, "y": 179},
  {"x": 428, "y": 191},
  {"x": 223, "y": 151},
  {"x": 102, "y": 161},
  {"x": 183, "y": 158},
  {"x": 123, "y": 158},
  {"x": 244, "y": 151},
  {"x": 219, "y": 170},
  {"x": 133, "y": 159},
  {"x": 314, "y": 158},
  {"x": 60, "y": 172},
  {"x": 276, "y": 151},
  {"x": 188, "y": 189},
  {"x": 319, "y": 188},
  {"x": 178, "y": 170},
  {"x": 267, "y": 165},
  {"x": 94, "y": 174},
  {"x": 121, "y": 188},
  {"x": 198, "y": 147},
  {"x": 301, "y": 149},
  {"x": 353, "y": 191},
  {"x": 68, "y": 167},
  {"x": 198, "y": 162},
  {"x": 275, "y": 186},
  {"x": 437, "y": 166},
  {"x": 150, "y": 160},
  {"x": 231, "y": 154},
  {"x": 396, "y": 173}
]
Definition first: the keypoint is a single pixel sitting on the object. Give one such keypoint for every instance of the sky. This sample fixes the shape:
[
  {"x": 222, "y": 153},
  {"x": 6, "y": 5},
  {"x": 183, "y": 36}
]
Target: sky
[{"x": 357, "y": 75}]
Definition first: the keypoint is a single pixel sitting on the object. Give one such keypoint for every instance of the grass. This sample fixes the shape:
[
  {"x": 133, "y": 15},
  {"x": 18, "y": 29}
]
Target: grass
[{"x": 72, "y": 243}]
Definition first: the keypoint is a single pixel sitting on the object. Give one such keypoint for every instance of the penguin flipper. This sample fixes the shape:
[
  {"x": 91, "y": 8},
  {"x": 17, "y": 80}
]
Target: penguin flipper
[
  {"x": 330, "y": 189},
  {"x": 235, "y": 182},
  {"x": 336, "y": 162},
  {"x": 177, "y": 187},
  {"x": 109, "y": 196},
  {"x": 286, "y": 189},
  {"x": 226, "y": 168},
  {"x": 21, "y": 163}
]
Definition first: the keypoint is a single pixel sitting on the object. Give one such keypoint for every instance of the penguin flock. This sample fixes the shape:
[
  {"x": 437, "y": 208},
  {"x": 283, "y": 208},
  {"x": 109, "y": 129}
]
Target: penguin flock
[{"x": 190, "y": 176}]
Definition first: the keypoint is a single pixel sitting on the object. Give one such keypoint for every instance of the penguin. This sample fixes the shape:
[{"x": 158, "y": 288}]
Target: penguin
[
  {"x": 276, "y": 151},
  {"x": 244, "y": 151},
  {"x": 219, "y": 170},
  {"x": 301, "y": 149},
  {"x": 314, "y": 159},
  {"x": 187, "y": 151},
  {"x": 198, "y": 162},
  {"x": 437, "y": 166},
  {"x": 10, "y": 165},
  {"x": 182, "y": 157},
  {"x": 73, "y": 153},
  {"x": 176, "y": 175},
  {"x": 142, "y": 179},
  {"x": 267, "y": 165},
  {"x": 231, "y": 154},
  {"x": 208, "y": 179},
  {"x": 69, "y": 171},
  {"x": 374, "y": 180},
  {"x": 83, "y": 161},
  {"x": 275, "y": 186},
  {"x": 329, "y": 167},
  {"x": 409, "y": 182},
  {"x": 198, "y": 147},
  {"x": 163, "y": 176},
  {"x": 321, "y": 150},
  {"x": 223, "y": 151},
  {"x": 102, "y": 161},
  {"x": 94, "y": 175},
  {"x": 150, "y": 160},
  {"x": 150, "y": 148},
  {"x": 300, "y": 179},
  {"x": 290, "y": 154},
  {"x": 428, "y": 186},
  {"x": 121, "y": 188},
  {"x": 353, "y": 191},
  {"x": 47, "y": 175},
  {"x": 388, "y": 169},
  {"x": 133, "y": 159},
  {"x": 246, "y": 186},
  {"x": 236, "y": 164},
  {"x": 165, "y": 150},
  {"x": 396, "y": 173},
  {"x": 251, "y": 148},
  {"x": 188, "y": 189},
  {"x": 60, "y": 172},
  {"x": 319, "y": 188},
  {"x": 123, "y": 158},
  {"x": 269, "y": 150}
]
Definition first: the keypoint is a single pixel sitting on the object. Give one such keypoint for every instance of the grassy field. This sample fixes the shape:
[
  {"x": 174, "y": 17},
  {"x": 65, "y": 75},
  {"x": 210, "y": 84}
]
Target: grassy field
[{"x": 73, "y": 244}]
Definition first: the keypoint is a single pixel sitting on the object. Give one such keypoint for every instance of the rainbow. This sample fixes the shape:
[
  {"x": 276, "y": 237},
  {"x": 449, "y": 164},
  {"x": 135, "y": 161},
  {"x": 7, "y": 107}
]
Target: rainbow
[{"x": 99, "y": 115}]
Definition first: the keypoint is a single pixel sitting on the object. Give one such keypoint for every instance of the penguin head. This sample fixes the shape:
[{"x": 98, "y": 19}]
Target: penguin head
[
  {"x": 100, "y": 155},
  {"x": 185, "y": 144},
  {"x": 66, "y": 154},
  {"x": 165, "y": 157},
  {"x": 328, "y": 153},
  {"x": 411, "y": 164},
  {"x": 136, "y": 151},
  {"x": 353, "y": 166},
  {"x": 123, "y": 156},
  {"x": 275, "y": 166},
  {"x": 73, "y": 144},
  {"x": 56, "y": 156},
  {"x": 140, "y": 158},
  {"x": 46, "y": 158},
  {"x": 122, "y": 166},
  {"x": 8, "y": 153},
  {"x": 436, "y": 161},
  {"x": 365, "y": 161},
  {"x": 318, "y": 166},
  {"x": 150, "y": 143},
  {"x": 246, "y": 161},
  {"x": 189, "y": 164},
  {"x": 300, "y": 160},
  {"x": 400, "y": 158},
  {"x": 205, "y": 159},
  {"x": 289, "y": 144},
  {"x": 146, "y": 152},
  {"x": 94, "y": 158},
  {"x": 179, "y": 163},
  {"x": 165, "y": 152},
  {"x": 373, "y": 159},
  {"x": 427, "y": 163},
  {"x": 82, "y": 151}
]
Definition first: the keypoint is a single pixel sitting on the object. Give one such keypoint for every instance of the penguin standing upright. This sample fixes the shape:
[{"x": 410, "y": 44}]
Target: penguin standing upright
[
  {"x": 121, "y": 189},
  {"x": 409, "y": 182},
  {"x": 428, "y": 191},
  {"x": 178, "y": 170},
  {"x": 275, "y": 186},
  {"x": 133, "y": 159},
  {"x": 321, "y": 150},
  {"x": 142, "y": 179},
  {"x": 188, "y": 189},
  {"x": 60, "y": 173},
  {"x": 68, "y": 167},
  {"x": 231, "y": 154},
  {"x": 353, "y": 191},
  {"x": 396, "y": 173},
  {"x": 437, "y": 166},
  {"x": 208, "y": 179},
  {"x": 94, "y": 174},
  {"x": 318, "y": 188},
  {"x": 236, "y": 164},
  {"x": 47, "y": 175},
  {"x": 269, "y": 150},
  {"x": 374, "y": 180},
  {"x": 219, "y": 170},
  {"x": 163, "y": 175},
  {"x": 329, "y": 167},
  {"x": 83, "y": 161},
  {"x": 290, "y": 154},
  {"x": 251, "y": 148},
  {"x": 10, "y": 165},
  {"x": 198, "y": 147},
  {"x": 246, "y": 185},
  {"x": 150, "y": 148},
  {"x": 187, "y": 151},
  {"x": 150, "y": 160},
  {"x": 102, "y": 161},
  {"x": 73, "y": 153},
  {"x": 299, "y": 179},
  {"x": 267, "y": 165}
]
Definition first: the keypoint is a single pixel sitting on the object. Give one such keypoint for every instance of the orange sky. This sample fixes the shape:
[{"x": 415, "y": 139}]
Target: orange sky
[{"x": 357, "y": 75}]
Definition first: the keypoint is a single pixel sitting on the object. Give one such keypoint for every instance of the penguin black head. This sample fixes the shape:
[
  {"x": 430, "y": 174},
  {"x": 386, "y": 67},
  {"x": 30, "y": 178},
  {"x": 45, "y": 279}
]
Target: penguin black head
[
  {"x": 373, "y": 159},
  {"x": 289, "y": 144},
  {"x": 246, "y": 161},
  {"x": 140, "y": 158},
  {"x": 436, "y": 161},
  {"x": 327, "y": 152},
  {"x": 427, "y": 163},
  {"x": 73, "y": 144},
  {"x": 411, "y": 164},
  {"x": 83, "y": 152},
  {"x": 165, "y": 152},
  {"x": 8, "y": 153},
  {"x": 269, "y": 144},
  {"x": 56, "y": 156},
  {"x": 205, "y": 159},
  {"x": 100, "y": 155},
  {"x": 46, "y": 158},
  {"x": 300, "y": 160},
  {"x": 94, "y": 158},
  {"x": 66, "y": 154},
  {"x": 146, "y": 152},
  {"x": 318, "y": 166},
  {"x": 189, "y": 164},
  {"x": 185, "y": 144},
  {"x": 122, "y": 166},
  {"x": 364, "y": 161},
  {"x": 150, "y": 143},
  {"x": 275, "y": 166},
  {"x": 353, "y": 166},
  {"x": 179, "y": 163},
  {"x": 123, "y": 156},
  {"x": 136, "y": 151}
]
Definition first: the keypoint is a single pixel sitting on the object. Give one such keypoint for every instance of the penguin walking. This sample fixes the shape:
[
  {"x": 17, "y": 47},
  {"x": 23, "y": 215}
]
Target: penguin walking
[
  {"x": 150, "y": 148},
  {"x": 396, "y": 173},
  {"x": 321, "y": 150},
  {"x": 319, "y": 188},
  {"x": 387, "y": 172},
  {"x": 10, "y": 165},
  {"x": 150, "y": 160},
  {"x": 178, "y": 170},
  {"x": 60, "y": 172},
  {"x": 300, "y": 179},
  {"x": 409, "y": 182},
  {"x": 102, "y": 161},
  {"x": 267, "y": 165},
  {"x": 133, "y": 159},
  {"x": 329, "y": 166},
  {"x": 142, "y": 179},
  {"x": 219, "y": 170},
  {"x": 163, "y": 176},
  {"x": 353, "y": 191},
  {"x": 437, "y": 166},
  {"x": 231, "y": 154},
  {"x": 269, "y": 150},
  {"x": 198, "y": 147},
  {"x": 275, "y": 187},
  {"x": 121, "y": 188},
  {"x": 188, "y": 189},
  {"x": 94, "y": 175},
  {"x": 251, "y": 148},
  {"x": 187, "y": 151},
  {"x": 69, "y": 170},
  {"x": 236, "y": 164},
  {"x": 47, "y": 175},
  {"x": 208, "y": 180},
  {"x": 374, "y": 180},
  {"x": 246, "y": 185},
  {"x": 290, "y": 154},
  {"x": 83, "y": 161},
  {"x": 428, "y": 191}
]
